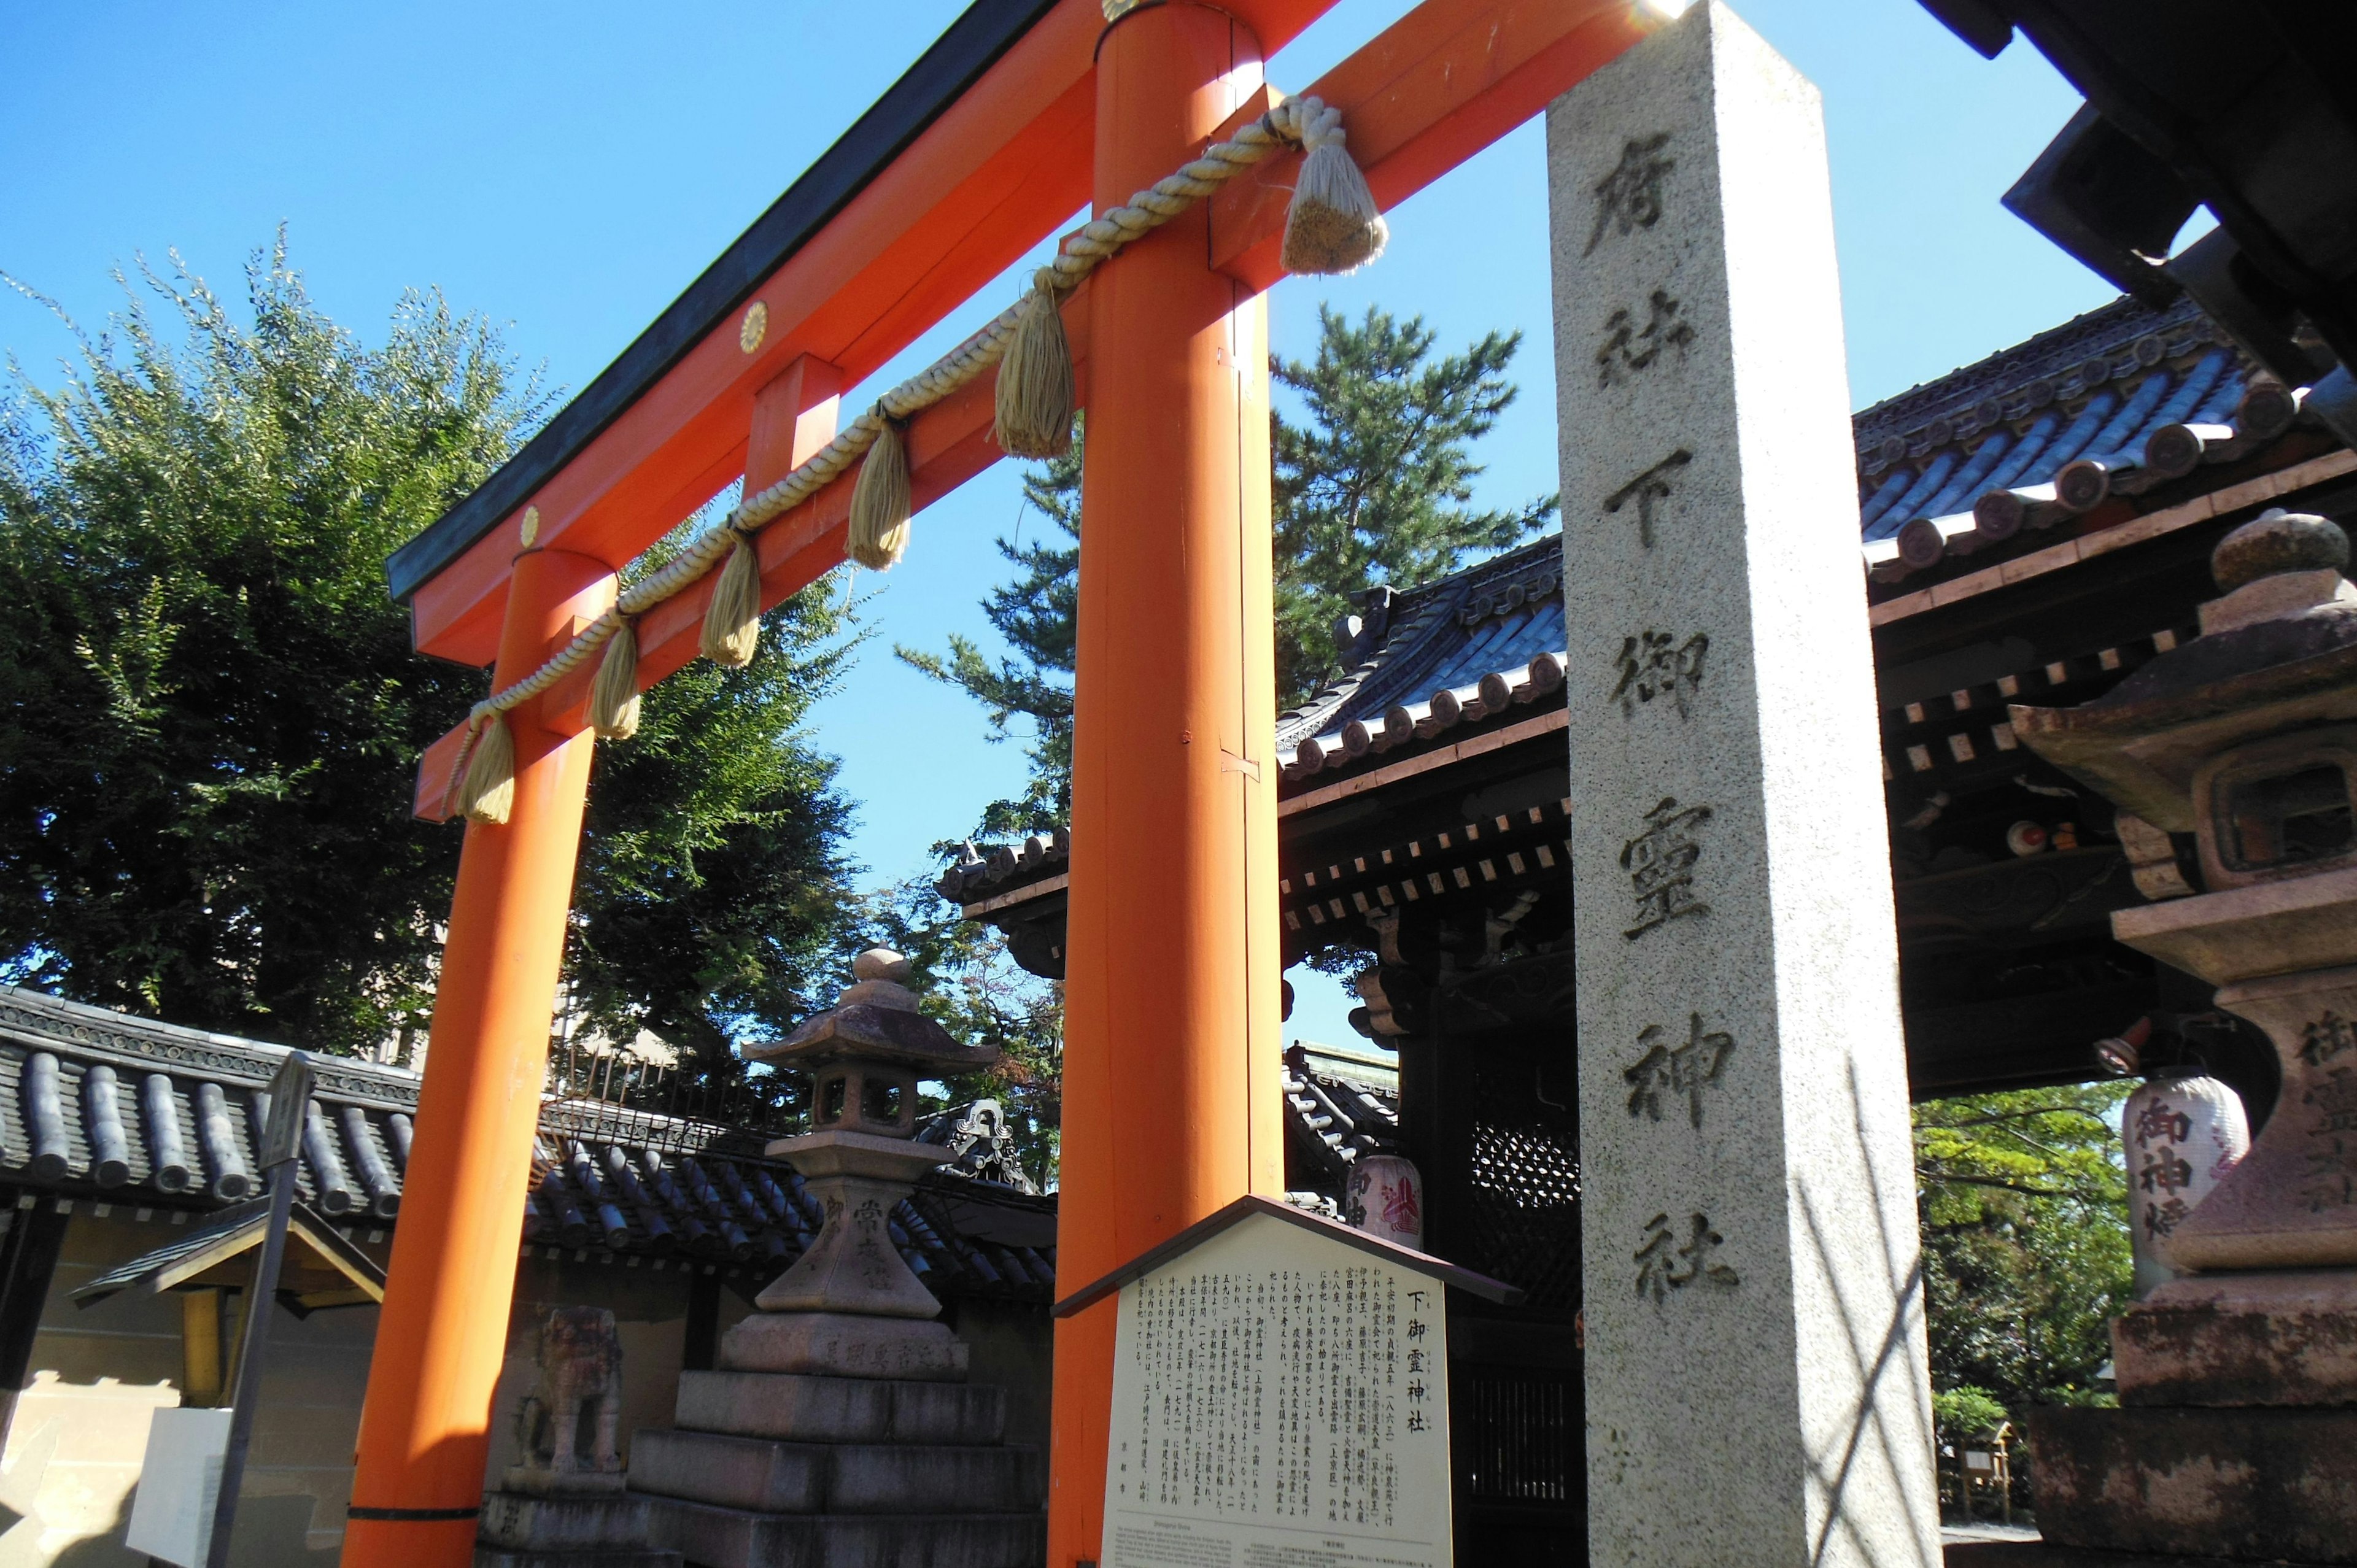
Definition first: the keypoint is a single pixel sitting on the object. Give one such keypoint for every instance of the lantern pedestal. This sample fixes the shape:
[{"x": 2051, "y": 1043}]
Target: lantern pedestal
[
  {"x": 850, "y": 1307},
  {"x": 2237, "y": 1433}
]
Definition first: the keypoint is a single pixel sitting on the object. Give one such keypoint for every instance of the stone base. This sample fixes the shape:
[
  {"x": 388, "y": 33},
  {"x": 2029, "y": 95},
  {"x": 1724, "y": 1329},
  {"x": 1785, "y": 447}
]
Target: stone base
[
  {"x": 627, "y": 1557},
  {"x": 2265, "y": 1485},
  {"x": 2044, "y": 1555},
  {"x": 839, "y": 1410},
  {"x": 2278, "y": 1338},
  {"x": 841, "y": 1345},
  {"x": 764, "y": 1476},
  {"x": 561, "y": 1523},
  {"x": 715, "y": 1537},
  {"x": 527, "y": 1530},
  {"x": 535, "y": 1482}
]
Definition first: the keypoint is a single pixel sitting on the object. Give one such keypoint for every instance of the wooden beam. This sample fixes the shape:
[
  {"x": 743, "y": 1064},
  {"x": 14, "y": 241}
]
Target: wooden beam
[
  {"x": 1438, "y": 86},
  {"x": 949, "y": 444},
  {"x": 1435, "y": 88},
  {"x": 994, "y": 175}
]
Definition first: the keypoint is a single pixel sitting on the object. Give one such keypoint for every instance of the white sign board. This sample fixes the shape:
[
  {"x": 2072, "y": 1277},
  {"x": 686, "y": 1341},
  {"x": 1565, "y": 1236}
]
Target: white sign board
[
  {"x": 1280, "y": 1400},
  {"x": 180, "y": 1480}
]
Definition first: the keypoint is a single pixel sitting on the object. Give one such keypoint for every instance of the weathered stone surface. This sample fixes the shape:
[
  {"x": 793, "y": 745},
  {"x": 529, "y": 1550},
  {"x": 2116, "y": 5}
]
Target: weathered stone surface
[
  {"x": 842, "y": 1345},
  {"x": 854, "y": 1266},
  {"x": 756, "y": 1473},
  {"x": 635, "y": 1557},
  {"x": 543, "y": 1523},
  {"x": 2291, "y": 1203},
  {"x": 766, "y": 1404},
  {"x": 2241, "y": 1340},
  {"x": 2250, "y": 1484},
  {"x": 840, "y": 1410},
  {"x": 947, "y": 1413},
  {"x": 2046, "y": 1554},
  {"x": 538, "y": 1481},
  {"x": 935, "y": 1478},
  {"x": 766, "y": 1477},
  {"x": 1756, "y": 1371},
  {"x": 732, "y": 1538}
]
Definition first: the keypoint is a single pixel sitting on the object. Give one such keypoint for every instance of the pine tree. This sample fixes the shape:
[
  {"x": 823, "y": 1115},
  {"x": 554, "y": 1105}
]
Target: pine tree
[
  {"x": 211, "y": 715},
  {"x": 1371, "y": 490},
  {"x": 1036, "y": 613}
]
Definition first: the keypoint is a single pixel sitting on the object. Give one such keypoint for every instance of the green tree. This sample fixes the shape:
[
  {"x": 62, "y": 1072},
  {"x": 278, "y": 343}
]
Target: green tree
[
  {"x": 1371, "y": 489},
  {"x": 713, "y": 902},
  {"x": 1038, "y": 613},
  {"x": 212, "y": 715},
  {"x": 2023, "y": 1201},
  {"x": 968, "y": 980}
]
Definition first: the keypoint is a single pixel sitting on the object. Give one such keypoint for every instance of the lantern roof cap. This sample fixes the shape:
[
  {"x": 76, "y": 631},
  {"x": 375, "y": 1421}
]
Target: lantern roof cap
[
  {"x": 877, "y": 1018},
  {"x": 2277, "y": 653}
]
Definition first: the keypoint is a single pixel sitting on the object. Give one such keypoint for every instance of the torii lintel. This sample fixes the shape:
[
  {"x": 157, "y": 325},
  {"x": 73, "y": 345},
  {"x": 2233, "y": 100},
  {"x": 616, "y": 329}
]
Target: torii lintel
[{"x": 989, "y": 176}]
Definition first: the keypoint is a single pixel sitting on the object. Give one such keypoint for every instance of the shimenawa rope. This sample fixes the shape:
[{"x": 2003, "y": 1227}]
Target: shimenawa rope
[{"x": 1331, "y": 226}]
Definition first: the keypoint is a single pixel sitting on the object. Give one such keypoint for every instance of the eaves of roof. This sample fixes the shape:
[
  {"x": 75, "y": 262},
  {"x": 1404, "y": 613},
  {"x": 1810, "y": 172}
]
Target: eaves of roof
[{"x": 98, "y": 1104}]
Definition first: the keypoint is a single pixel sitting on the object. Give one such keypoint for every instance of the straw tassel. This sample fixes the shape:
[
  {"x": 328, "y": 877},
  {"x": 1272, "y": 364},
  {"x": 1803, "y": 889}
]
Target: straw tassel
[
  {"x": 1333, "y": 226},
  {"x": 486, "y": 793},
  {"x": 1035, "y": 379},
  {"x": 879, "y": 502},
  {"x": 732, "y": 622},
  {"x": 614, "y": 695}
]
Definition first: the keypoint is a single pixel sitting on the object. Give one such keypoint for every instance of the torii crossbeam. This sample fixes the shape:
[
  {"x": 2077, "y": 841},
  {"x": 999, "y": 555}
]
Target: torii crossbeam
[{"x": 1024, "y": 111}]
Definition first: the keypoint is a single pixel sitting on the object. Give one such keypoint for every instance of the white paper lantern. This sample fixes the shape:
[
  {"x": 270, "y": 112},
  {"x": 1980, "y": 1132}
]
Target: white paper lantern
[
  {"x": 2182, "y": 1135},
  {"x": 1385, "y": 1199}
]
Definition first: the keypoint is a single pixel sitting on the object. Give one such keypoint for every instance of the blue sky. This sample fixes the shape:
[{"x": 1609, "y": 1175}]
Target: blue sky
[{"x": 565, "y": 170}]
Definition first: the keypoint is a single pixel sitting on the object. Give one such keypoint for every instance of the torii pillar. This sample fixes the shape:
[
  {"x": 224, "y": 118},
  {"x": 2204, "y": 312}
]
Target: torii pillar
[
  {"x": 1172, "y": 972},
  {"x": 423, "y": 1430}
]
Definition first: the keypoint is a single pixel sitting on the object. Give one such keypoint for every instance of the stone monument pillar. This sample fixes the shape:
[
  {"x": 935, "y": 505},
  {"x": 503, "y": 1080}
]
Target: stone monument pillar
[
  {"x": 1757, "y": 1390},
  {"x": 2237, "y": 1431}
]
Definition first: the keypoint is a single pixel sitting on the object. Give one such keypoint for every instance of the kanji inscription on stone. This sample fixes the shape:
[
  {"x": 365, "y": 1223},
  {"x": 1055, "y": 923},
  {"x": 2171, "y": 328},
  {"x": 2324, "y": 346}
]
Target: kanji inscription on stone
[{"x": 1749, "y": 1235}]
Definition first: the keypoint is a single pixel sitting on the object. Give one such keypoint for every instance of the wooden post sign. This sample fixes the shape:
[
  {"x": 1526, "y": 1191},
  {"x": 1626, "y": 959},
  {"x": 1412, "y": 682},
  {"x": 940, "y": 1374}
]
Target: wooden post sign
[{"x": 1280, "y": 1394}]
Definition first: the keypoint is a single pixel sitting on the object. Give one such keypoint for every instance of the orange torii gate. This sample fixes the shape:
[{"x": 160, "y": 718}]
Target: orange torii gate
[{"x": 1024, "y": 111}]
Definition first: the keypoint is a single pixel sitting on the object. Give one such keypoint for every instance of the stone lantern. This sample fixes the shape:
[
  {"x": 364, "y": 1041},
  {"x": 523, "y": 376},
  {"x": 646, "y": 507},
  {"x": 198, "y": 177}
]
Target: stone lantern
[
  {"x": 849, "y": 1306},
  {"x": 2234, "y": 756}
]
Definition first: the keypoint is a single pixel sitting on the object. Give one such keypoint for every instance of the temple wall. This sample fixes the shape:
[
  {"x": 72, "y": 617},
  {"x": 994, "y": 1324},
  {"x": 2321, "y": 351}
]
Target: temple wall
[{"x": 78, "y": 1433}]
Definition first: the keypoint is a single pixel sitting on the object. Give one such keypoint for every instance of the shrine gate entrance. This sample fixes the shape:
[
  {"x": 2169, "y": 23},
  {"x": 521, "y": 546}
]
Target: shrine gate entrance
[{"x": 1023, "y": 112}]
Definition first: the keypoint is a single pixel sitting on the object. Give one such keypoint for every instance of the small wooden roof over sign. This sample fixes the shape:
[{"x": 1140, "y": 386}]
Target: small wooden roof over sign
[
  {"x": 1253, "y": 1204},
  {"x": 322, "y": 1270}
]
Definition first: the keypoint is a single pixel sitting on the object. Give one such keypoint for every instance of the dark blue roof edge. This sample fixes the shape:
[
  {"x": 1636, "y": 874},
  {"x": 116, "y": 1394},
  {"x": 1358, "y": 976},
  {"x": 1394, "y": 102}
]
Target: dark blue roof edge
[{"x": 971, "y": 44}]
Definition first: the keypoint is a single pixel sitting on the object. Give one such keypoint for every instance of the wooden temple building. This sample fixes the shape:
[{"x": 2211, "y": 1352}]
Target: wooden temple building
[{"x": 2035, "y": 526}]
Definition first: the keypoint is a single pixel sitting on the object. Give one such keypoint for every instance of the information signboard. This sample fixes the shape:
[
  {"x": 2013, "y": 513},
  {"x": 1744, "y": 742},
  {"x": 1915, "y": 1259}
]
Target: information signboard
[{"x": 1280, "y": 1398}]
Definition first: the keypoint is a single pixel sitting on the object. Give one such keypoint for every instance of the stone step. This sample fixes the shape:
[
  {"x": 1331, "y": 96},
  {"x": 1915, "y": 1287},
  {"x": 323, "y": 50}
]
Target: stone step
[
  {"x": 583, "y": 1557},
  {"x": 519, "y": 1521},
  {"x": 765, "y": 1476},
  {"x": 710, "y": 1536},
  {"x": 799, "y": 1408}
]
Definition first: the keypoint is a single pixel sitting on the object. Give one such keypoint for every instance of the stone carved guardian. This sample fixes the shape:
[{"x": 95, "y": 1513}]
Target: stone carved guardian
[{"x": 580, "y": 1370}]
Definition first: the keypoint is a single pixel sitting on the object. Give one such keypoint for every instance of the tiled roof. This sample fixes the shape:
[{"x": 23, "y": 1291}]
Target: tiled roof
[
  {"x": 2110, "y": 403},
  {"x": 98, "y": 1104},
  {"x": 1470, "y": 647},
  {"x": 1338, "y": 1106}
]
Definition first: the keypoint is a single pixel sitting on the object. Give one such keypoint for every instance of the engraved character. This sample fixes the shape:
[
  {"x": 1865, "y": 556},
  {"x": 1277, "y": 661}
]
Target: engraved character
[
  {"x": 1667, "y": 1072},
  {"x": 1630, "y": 197},
  {"x": 1654, "y": 664},
  {"x": 1647, "y": 489},
  {"x": 1660, "y": 863}
]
